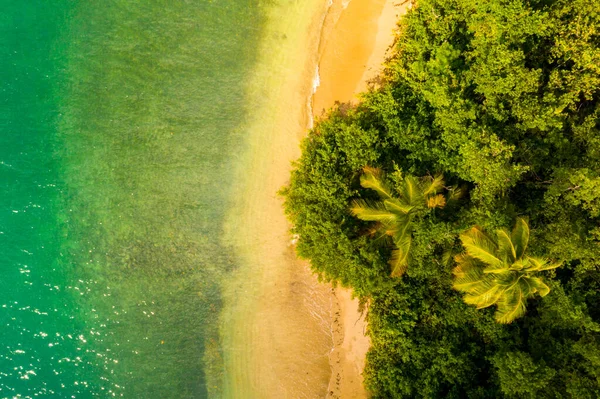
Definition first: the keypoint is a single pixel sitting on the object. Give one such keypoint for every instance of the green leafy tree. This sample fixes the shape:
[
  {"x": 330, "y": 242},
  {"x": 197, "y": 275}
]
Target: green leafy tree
[
  {"x": 504, "y": 98},
  {"x": 520, "y": 375},
  {"x": 395, "y": 214},
  {"x": 497, "y": 272}
]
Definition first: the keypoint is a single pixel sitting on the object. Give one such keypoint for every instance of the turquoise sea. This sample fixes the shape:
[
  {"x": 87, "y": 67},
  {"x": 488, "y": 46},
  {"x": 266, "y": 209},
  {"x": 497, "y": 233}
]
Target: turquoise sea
[{"x": 120, "y": 124}]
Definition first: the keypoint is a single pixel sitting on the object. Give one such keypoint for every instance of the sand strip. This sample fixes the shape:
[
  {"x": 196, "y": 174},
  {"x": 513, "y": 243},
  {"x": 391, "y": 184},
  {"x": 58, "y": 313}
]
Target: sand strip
[
  {"x": 275, "y": 326},
  {"x": 354, "y": 44}
]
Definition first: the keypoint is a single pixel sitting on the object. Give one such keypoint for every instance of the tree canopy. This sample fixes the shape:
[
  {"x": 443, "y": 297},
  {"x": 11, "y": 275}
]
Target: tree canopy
[
  {"x": 503, "y": 99},
  {"x": 497, "y": 271},
  {"x": 393, "y": 215}
]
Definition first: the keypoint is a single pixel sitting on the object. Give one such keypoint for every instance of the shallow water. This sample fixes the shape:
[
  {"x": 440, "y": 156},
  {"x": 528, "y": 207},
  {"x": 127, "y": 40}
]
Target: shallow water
[{"x": 121, "y": 124}]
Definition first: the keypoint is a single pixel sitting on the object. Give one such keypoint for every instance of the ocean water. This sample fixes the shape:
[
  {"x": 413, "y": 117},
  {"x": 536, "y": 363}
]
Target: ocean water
[{"x": 120, "y": 124}]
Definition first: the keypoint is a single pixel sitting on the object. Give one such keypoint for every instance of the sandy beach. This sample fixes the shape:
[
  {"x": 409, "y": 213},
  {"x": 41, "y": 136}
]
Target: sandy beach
[{"x": 286, "y": 335}]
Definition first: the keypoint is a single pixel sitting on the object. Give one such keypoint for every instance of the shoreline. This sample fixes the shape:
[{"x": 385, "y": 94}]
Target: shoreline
[
  {"x": 279, "y": 329},
  {"x": 345, "y": 67},
  {"x": 276, "y": 316}
]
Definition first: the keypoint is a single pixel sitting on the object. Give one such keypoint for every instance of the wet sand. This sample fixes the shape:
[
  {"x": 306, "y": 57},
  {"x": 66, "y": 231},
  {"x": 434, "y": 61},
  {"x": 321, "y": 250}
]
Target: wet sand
[{"x": 279, "y": 323}]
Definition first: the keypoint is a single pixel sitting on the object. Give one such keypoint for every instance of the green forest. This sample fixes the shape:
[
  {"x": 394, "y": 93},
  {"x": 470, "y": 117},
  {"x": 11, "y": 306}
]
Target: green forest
[{"x": 460, "y": 200}]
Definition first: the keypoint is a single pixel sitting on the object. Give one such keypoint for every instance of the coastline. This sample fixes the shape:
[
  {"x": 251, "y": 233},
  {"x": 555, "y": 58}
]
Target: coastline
[
  {"x": 345, "y": 68},
  {"x": 281, "y": 329},
  {"x": 275, "y": 324}
]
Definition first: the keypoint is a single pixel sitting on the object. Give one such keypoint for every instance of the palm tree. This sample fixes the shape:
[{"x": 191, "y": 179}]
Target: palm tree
[
  {"x": 395, "y": 214},
  {"x": 497, "y": 272}
]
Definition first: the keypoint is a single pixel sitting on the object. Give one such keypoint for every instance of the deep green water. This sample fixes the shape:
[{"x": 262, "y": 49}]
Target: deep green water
[{"x": 120, "y": 123}]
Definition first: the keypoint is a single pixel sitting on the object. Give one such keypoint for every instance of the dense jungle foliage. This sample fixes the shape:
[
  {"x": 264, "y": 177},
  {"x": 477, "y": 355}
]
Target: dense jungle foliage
[{"x": 502, "y": 98}]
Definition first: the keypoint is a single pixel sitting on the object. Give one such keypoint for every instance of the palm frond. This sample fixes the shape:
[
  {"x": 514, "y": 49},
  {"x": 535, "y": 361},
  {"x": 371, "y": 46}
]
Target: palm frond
[
  {"x": 467, "y": 273},
  {"x": 375, "y": 180},
  {"x": 520, "y": 237},
  {"x": 466, "y": 262},
  {"x": 372, "y": 211},
  {"x": 403, "y": 229},
  {"x": 468, "y": 281},
  {"x": 399, "y": 258},
  {"x": 495, "y": 269},
  {"x": 410, "y": 191},
  {"x": 394, "y": 205},
  {"x": 480, "y": 246},
  {"x": 540, "y": 264},
  {"x": 507, "y": 281},
  {"x": 539, "y": 285},
  {"x": 380, "y": 235},
  {"x": 506, "y": 249},
  {"x": 519, "y": 264},
  {"x": 486, "y": 295},
  {"x": 437, "y": 201},
  {"x": 511, "y": 306}
]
